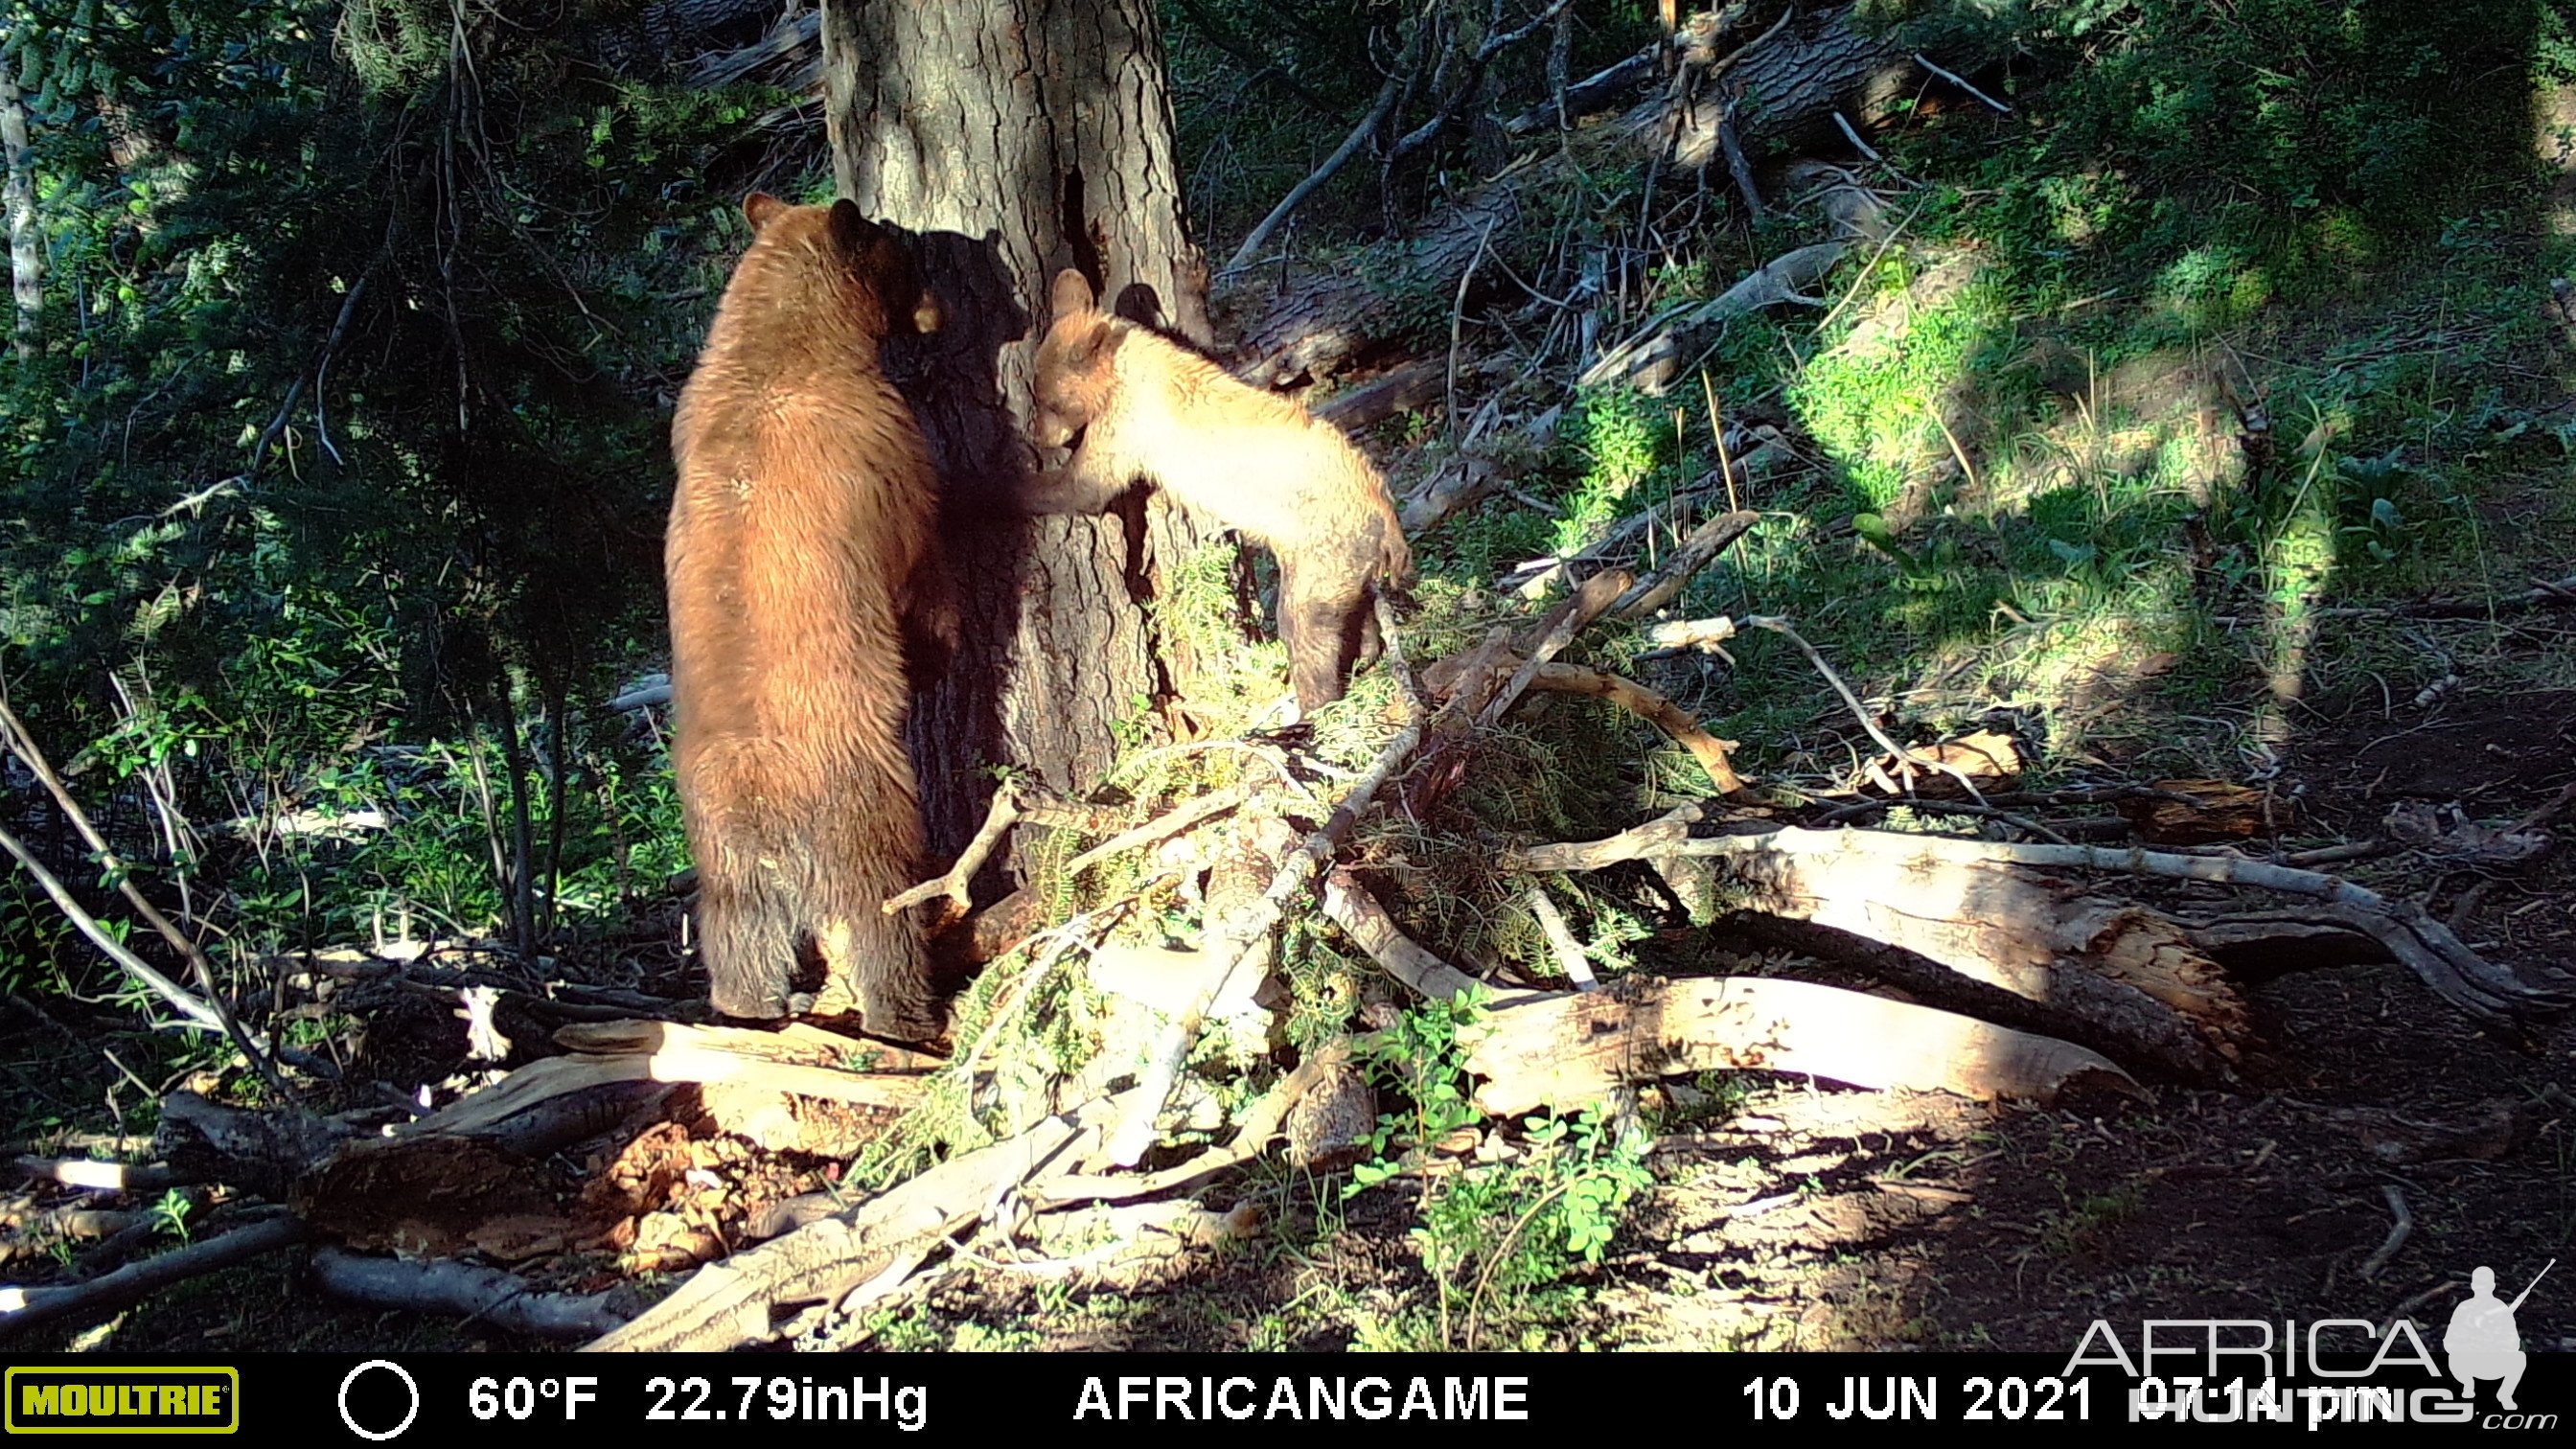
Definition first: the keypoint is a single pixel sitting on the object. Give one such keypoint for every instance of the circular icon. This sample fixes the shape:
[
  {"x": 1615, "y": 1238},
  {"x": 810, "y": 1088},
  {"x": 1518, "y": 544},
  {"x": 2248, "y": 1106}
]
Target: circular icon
[{"x": 408, "y": 1414}]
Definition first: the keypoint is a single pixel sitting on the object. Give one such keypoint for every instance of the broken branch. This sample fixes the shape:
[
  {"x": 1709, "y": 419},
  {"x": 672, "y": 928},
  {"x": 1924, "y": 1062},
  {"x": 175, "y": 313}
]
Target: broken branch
[
  {"x": 1711, "y": 752},
  {"x": 953, "y": 884}
]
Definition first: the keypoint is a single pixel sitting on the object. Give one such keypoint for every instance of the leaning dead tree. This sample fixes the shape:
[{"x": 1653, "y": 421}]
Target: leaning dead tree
[{"x": 1784, "y": 83}]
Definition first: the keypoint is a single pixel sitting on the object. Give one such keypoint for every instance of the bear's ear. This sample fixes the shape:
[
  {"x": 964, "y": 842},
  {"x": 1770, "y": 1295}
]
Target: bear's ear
[
  {"x": 1070, "y": 294},
  {"x": 852, "y": 232},
  {"x": 760, "y": 209}
]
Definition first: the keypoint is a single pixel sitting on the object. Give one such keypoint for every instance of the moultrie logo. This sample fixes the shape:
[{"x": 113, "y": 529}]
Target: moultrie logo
[{"x": 109, "y": 1400}]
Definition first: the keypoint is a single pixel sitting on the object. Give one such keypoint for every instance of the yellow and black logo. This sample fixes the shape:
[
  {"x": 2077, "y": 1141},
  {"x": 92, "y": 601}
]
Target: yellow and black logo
[{"x": 124, "y": 1401}]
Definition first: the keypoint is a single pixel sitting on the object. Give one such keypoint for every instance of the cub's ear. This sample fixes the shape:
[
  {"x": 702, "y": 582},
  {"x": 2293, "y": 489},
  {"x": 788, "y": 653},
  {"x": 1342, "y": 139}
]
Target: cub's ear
[
  {"x": 760, "y": 209},
  {"x": 1088, "y": 341},
  {"x": 1070, "y": 294}
]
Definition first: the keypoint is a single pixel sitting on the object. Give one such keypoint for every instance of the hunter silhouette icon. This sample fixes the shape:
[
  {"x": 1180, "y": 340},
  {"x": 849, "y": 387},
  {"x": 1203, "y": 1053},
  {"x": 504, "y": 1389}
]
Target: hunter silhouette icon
[{"x": 2482, "y": 1341}]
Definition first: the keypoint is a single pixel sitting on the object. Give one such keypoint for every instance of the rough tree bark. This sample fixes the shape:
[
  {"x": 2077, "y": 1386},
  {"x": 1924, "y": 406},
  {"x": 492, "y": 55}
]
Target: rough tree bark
[
  {"x": 26, "y": 242},
  {"x": 1016, "y": 137}
]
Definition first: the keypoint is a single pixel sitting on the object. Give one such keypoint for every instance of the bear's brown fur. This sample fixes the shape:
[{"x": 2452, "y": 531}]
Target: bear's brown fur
[
  {"x": 802, "y": 560},
  {"x": 1232, "y": 454}
]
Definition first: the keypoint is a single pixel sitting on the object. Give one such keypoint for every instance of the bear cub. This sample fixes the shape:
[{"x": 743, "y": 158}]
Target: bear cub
[{"x": 1234, "y": 456}]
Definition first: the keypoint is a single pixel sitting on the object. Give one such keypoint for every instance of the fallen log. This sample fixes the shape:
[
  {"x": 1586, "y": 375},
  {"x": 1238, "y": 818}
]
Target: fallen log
[
  {"x": 1405, "y": 389},
  {"x": 26, "y": 1309},
  {"x": 2116, "y": 976},
  {"x": 1795, "y": 82},
  {"x": 1573, "y": 1050},
  {"x": 1963, "y": 903},
  {"x": 488, "y": 1295}
]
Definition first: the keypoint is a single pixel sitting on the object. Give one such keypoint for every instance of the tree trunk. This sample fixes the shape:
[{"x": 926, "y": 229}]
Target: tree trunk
[
  {"x": 26, "y": 241},
  {"x": 1017, "y": 137}
]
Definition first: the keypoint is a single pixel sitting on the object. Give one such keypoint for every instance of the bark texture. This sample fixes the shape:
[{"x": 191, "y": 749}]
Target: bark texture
[
  {"x": 1016, "y": 137},
  {"x": 26, "y": 241}
]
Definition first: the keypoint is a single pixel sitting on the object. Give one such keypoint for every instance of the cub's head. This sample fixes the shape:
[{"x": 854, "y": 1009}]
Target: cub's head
[
  {"x": 1076, "y": 362},
  {"x": 851, "y": 243}
]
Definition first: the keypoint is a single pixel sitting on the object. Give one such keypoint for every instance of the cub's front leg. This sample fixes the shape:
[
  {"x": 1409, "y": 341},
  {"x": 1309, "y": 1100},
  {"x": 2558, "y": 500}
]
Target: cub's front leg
[{"x": 1086, "y": 482}]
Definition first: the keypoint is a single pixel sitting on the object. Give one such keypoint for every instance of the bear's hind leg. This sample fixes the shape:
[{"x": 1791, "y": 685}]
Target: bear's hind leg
[
  {"x": 880, "y": 964},
  {"x": 747, "y": 936}
]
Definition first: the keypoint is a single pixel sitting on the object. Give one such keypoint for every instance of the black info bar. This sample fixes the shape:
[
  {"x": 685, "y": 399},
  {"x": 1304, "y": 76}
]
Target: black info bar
[{"x": 496, "y": 1399}]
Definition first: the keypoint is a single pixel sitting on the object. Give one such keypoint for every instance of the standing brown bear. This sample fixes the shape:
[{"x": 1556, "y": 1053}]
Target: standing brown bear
[
  {"x": 802, "y": 562},
  {"x": 1233, "y": 455}
]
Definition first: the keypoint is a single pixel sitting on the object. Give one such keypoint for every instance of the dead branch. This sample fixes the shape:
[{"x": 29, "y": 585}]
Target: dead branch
[
  {"x": 135, "y": 966},
  {"x": 997, "y": 820},
  {"x": 1450, "y": 108},
  {"x": 1622, "y": 539},
  {"x": 1691, "y": 636},
  {"x": 1569, "y": 954},
  {"x": 1563, "y": 622},
  {"x": 1349, "y": 905},
  {"x": 1243, "y": 938},
  {"x": 1379, "y": 109},
  {"x": 1703, "y": 546},
  {"x": 23, "y": 1309},
  {"x": 1868, "y": 722},
  {"x": 1657, "y": 353},
  {"x": 15, "y": 739},
  {"x": 1467, "y": 478},
  {"x": 674, "y": 1053},
  {"x": 103, "y": 1176},
  {"x": 2398, "y": 1231},
  {"x": 1732, "y": 145},
  {"x": 1711, "y": 752},
  {"x": 1172, "y": 822},
  {"x": 488, "y": 1295},
  {"x": 1260, "y": 1126},
  {"x": 1999, "y": 107}
]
